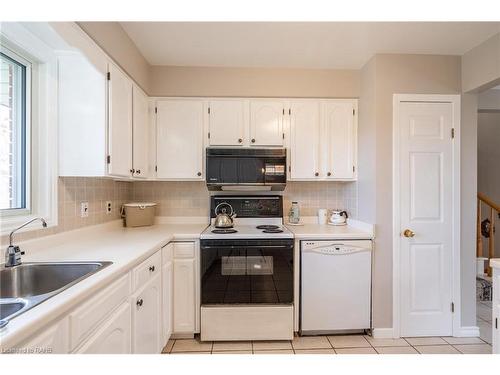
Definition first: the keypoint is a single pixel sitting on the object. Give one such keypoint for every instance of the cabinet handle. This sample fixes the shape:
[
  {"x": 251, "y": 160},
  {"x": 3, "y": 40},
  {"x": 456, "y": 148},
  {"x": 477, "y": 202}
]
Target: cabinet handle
[
  {"x": 240, "y": 140},
  {"x": 199, "y": 173},
  {"x": 316, "y": 174},
  {"x": 329, "y": 174},
  {"x": 139, "y": 302},
  {"x": 152, "y": 268},
  {"x": 253, "y": 140},
  {"x": 132, "y": 170}
]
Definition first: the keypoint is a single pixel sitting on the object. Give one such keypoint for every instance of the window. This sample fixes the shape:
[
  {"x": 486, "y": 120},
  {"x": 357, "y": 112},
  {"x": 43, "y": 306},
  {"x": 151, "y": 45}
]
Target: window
[{"x": 14, "y": 132}]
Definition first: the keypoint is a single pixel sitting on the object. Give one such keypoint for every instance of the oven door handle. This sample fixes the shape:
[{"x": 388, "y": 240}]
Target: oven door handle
[{"x": 248, "y": 247}]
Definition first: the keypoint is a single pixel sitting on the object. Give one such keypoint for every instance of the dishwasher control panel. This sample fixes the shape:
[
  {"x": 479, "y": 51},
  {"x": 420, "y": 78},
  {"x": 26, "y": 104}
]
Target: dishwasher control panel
[{"x": 336, "y": 248}]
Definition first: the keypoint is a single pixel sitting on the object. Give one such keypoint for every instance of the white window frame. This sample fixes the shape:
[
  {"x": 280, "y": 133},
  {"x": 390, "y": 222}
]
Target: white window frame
[
  {"x": 42, "y": 157},
  {"x": 5, "y": 213}
]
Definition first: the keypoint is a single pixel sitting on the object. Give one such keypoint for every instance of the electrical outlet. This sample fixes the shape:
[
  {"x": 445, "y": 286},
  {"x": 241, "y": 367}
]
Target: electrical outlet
[
  {"x": 84, "y": 209},
  {"x": 109, "y": 207}
]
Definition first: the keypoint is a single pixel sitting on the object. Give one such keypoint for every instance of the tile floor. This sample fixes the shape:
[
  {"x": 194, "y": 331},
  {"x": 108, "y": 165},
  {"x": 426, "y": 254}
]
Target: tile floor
[
  {"x": 348, "y": 344},
  {"x": 484, "y": 316}
]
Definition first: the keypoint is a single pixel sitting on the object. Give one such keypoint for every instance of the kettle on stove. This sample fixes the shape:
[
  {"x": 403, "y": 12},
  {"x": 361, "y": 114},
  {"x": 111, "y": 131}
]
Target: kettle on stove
[{"x": 224, "y": 219}]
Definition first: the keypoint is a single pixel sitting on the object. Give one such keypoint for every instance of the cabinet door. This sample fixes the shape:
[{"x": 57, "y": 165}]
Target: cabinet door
[
  {"x": 180, "y": 139},
  {"x": 140, "y": 133},
  {"x": 184, "y": 296},
  {"x": 167, "y": 301},
  {"x": 146, "y": 318},
  {"x": 226, "y": 122},
  {"x": 113, "y": 336},
  {"x": 304, "y": 140},
  {"x": 119, "y": 123},
  {"x": 266, "y": 123},
  {"x": 340, "y": 139},
  {"x": 52, "y": 340}
]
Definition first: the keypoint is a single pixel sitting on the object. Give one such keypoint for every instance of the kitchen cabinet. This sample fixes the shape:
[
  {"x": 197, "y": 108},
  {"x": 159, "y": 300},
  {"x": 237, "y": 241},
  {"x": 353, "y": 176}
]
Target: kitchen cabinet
[
  {"x": 304, "y": 148},
  {"x": 185, "y": 288},
  {"x": 339, "y": 137},
  {"x": 496, "y": 310},
  {"x": 146, "y": 318},
  {"x": 119, "y": 122},
  {"x": 179, "y": 143},
  {"x": 167, "y": 291},
  {"x": 266, "y": 122},
  {"x": 140, "y": 133},
  {"x": 52, "y": 340},
  {"x": 113, "y": 336},
  {"x": 227, "y": 121}
]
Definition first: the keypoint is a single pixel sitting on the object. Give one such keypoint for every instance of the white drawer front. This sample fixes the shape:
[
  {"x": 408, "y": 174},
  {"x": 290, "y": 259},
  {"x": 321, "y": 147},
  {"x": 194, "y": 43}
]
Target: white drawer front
[
  {"x": 146, "y": 270},
  {"x": 84, "y": 318},
  {"x": 184, "y": 250}
]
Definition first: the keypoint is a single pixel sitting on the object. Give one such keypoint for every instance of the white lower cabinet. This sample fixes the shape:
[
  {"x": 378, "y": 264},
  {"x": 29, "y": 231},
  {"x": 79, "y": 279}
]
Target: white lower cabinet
[
  {"x": 185, "y": 286},
  {"x": 146, "y": 318},
  {"x": 113, "y": 336},
  {"x": 52, "y": 340},
  {"x": 167, "y": 276}
]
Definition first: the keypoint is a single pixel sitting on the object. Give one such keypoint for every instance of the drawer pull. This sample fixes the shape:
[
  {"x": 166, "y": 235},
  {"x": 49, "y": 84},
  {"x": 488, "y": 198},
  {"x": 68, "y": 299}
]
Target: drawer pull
[
  {"x": 152, "y": 268},
  {"x": 139, "y": 302}
]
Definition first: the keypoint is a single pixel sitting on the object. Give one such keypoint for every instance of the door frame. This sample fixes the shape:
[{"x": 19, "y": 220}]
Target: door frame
[{"x": 396, "y": 306}]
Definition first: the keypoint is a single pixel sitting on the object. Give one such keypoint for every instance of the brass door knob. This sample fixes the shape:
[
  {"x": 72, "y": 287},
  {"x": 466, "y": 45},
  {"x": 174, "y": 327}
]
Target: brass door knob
[{"x": 409, "y": 233}]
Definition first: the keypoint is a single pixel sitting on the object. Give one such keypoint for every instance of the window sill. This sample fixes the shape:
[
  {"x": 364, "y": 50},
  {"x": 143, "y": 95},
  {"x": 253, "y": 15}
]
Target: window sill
[{"x": 8, "y": 224}]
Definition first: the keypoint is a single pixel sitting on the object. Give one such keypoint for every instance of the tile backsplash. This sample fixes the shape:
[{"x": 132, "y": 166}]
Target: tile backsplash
[
  {"x": 174, "y": 199},
  {"x": 74, "y": 190}
]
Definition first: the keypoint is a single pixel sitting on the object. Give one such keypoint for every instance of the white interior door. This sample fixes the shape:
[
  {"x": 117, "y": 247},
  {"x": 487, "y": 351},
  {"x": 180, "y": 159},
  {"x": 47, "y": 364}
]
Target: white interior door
[
  {"x": 266, "y": 123},
  {"x": 426, "y": 211}
]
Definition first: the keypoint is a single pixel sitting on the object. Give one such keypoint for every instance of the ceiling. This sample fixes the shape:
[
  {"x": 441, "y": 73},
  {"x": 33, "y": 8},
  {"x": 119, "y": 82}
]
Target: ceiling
[{"x": 328, "y": 45}]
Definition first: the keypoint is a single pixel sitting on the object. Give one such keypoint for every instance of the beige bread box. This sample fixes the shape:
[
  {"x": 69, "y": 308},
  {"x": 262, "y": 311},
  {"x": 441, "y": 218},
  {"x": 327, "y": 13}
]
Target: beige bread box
[{"x": 138, "y": 214}]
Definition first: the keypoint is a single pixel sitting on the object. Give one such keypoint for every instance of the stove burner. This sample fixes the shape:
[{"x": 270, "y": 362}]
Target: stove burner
[
  {"x": 224, "y": 231},
  {"x": 272, "y": 231},
  {"x": 268, "y": 227}
]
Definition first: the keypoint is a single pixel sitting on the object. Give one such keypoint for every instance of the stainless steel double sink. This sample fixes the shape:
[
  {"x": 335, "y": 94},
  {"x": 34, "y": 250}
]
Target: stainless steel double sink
[{"x": 29, "y": 284}]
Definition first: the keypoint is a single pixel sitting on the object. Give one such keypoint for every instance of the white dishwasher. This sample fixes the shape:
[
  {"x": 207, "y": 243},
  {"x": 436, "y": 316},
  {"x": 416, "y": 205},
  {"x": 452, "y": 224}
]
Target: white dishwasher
[{"x": 335, "y": 286}]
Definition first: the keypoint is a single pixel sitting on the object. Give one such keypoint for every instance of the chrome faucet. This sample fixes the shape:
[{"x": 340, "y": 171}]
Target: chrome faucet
[{"x": 13, "y": 253}]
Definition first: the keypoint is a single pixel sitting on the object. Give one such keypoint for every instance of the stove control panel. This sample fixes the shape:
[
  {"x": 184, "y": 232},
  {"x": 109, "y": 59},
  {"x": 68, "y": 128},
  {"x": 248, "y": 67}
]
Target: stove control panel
[{"x": 250, "y": 206}]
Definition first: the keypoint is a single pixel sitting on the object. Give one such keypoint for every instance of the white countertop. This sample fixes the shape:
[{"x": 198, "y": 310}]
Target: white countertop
[
  {"x": 125, "y": 247},
  {"x": 495, "y": 263},
  {"x": 313, "y": 231}
]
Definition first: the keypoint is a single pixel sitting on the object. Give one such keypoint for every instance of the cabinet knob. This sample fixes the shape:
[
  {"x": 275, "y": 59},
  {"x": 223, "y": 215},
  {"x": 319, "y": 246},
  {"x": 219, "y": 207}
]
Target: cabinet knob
[
  {"x": 316, "y": 174},
  {"x": 329, "y": 174},
  {"x": 139, "y": 302},
  {"x": 240, "y": 140},
  {"x": 253, "y": 140},
  {"x": 152, "y": 268},
  {"x": 132, "y": 170},
  {"x": 138, "y": 171},
  {"x": 199, "y": 173}
]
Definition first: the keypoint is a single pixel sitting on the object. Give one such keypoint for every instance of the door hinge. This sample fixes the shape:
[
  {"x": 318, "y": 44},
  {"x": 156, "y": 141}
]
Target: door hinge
[
  {"x": 156, "y": 168},
  {"x": 156, "y": 109},
  {"x": 208, "y": 110},
  {"x": 353, "y": 112},
  {"x": 353, "y": 169},
  {"x": 108, "y": 159},
  {"x": 289, "y": 168},
  {"x": 496, "y": 323},
  {"x": 452, "y": 307},
  {"x": 289, "y": 111},
  {"x": 283, "y": 135},
  {"x": 109, "y": 76},
  {"x": 283, "y": 111},
  {"x": 208, "y": 135},
  {"x": 452, "y": 132}
]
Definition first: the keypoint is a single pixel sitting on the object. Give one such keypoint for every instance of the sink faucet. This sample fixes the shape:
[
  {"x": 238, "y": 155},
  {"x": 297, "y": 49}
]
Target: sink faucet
[{"x": 13, "y": 253}]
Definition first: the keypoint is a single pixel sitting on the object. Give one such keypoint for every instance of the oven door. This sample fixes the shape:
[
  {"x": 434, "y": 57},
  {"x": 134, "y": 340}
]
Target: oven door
[{"x": 246, "y": 272}]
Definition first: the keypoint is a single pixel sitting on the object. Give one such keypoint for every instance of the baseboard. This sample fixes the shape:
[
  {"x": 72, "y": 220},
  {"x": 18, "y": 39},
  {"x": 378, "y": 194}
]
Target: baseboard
[
  {"x": 471, "y": 331},
  {"x": 383, "y": 333}
]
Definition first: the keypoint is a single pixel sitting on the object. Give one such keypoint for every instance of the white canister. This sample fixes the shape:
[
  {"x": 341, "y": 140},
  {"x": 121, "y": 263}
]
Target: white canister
[{"x": 322, "y": 216}]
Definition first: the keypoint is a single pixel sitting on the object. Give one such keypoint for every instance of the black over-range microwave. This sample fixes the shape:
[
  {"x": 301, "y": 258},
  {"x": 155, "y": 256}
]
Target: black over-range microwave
[{"x": 250, "y": 169}]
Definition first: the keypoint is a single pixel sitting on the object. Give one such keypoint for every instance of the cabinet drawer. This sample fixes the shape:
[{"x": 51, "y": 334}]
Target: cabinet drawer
[
  {"x": 146, "y": 270},
  {"x": 184, "y": 250},
  {"x": 167, "y": 253},
  {"x": 84, "y": 318}
]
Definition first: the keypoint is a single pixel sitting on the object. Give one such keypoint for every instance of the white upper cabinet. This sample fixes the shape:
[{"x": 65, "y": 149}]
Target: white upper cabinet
[
  {"x": 339, "y": 137},
  {"x": 179, "y": 140},
  {"x": 266, "y": 122},
  {"x": 119, "y": 123},
  {"x": 227, "y": 122},
  {"x": 304, "y": 140},
  {"x": 140, "y": 149}
]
